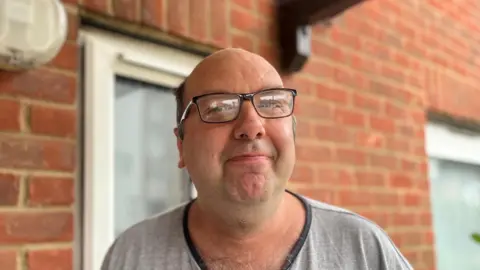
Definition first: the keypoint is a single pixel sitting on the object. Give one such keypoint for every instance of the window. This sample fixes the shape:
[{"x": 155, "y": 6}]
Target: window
[
  {"x": 130, "y": 155},
  {"x": 454, "y": 158}
]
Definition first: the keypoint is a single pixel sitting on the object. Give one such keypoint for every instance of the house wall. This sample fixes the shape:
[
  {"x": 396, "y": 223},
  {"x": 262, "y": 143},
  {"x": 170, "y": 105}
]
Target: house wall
[{"x": 362, "y": 109}]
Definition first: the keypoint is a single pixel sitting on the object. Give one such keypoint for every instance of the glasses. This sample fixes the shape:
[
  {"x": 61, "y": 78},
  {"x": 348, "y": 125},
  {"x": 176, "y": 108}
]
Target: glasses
[{"x": 225, "y": 107}]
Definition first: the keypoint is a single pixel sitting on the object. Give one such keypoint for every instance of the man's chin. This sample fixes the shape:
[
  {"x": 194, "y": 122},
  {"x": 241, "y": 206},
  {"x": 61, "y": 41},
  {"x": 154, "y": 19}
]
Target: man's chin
[{"x": 250, "y": 195}]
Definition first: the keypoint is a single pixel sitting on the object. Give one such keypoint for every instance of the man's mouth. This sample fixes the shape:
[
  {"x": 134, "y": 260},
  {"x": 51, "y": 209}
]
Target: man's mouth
[{"x": 249, "y": 158}]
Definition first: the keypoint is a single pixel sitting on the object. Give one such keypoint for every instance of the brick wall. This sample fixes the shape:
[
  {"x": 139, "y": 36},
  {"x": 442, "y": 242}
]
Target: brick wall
[{"x": 363, "y": 98}]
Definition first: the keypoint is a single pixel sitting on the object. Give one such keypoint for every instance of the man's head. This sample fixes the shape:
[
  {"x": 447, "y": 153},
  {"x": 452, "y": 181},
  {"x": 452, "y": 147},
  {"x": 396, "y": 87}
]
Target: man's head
[{"x": 236, "y": 151}]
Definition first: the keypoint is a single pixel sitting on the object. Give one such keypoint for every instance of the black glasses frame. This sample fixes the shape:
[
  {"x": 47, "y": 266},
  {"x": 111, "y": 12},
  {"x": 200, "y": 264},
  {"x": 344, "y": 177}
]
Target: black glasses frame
[{"x": 242, "y": 97}]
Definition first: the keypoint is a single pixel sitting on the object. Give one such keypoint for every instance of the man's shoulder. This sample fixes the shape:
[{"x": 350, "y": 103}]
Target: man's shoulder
[
  {"x": 155, "y": 225},
  {"x": 355, "y": 234},
  {"x": 330, "y": 215},
  {"x": 148, "y": 239}
]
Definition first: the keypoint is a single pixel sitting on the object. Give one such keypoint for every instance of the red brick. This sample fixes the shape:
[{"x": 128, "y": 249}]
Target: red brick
[
  {"x": 269, "y": 33},
  {"x": 327, "y": 196},
  {"x": 380, "y": 52},
  {"x": 126, "y": 9},
  {"x": 362, "y": 64},
  {"x": 413, "y": 257},
  {"x": 384, "y": 161},
  {"x": 322, "y": 48},
  {"x": 429, "y": 238},
  {"x": 383, "y": 124},
  {"x": 349, "y": 117},
  {"x": 426, "y": 218},
  {"x": 313, "y": 153},
  {"x": 352, "y": 198},
  {"x": 336, "y": 95},
  {"x": 386, "y": 198},
  {"x": 199, "y": 20},
  {"x": 308, "y": 108},
  {"x": 351, "y": 157},
  {"x": 399, "y": 145},
  {"x": 72, "y": 26},
  {"x": 370, "y": 179},
  {"x": 369, "y": 139},
  {"x": 39, "y": 84},
  {"x": 401, "y": 180},
  {"x": 248, "y": 4},
  {"x": 9, "y": 189},
  {"x": 153, "y": 13},
  {"x": 338, "y": 54},
  {"x": 97, "y": 5},
  {"x": 67, "y": 58},
  {"x": 411, "y": 239},
  {"x": 270, "y": 53},
  {"x": 332, "y": 133},
  {"x": 9, "y": 115},
  {"x": 219, "y": 22},
  {"x": 394, "y": 111},
  {"x": 243, "y": 20},
  {"x": 266, "y": 8},
  {"x": 53, "y": 121},
  {"x": 412, "y": 199},
  {"x": 35, "y": 227},
  {"x": 178, "y": 16},
  {"x": 327, "y": 176},
  {"x": 304, "y": 130},
  {"x": 406, "y": 130},
  {"x": 8, "y": 259},
  {"x": 50, "y": 191},
  {"x": 57, "y": 259},
  {"x": 318, "y": 68},
  {"x": 243, "y": 41},
  {"x": 303, "y": 174},
  {"x": 306, "y": 87},
  {"x": 368, "y": 103},
  {"x": 36, "y": 154},
  {"x": 409, "y": 165},
  {"x": 360, "y": 26},
  {"x": 342, "y": 38},
  {"x": 406, "y": 30},
  {"x": 401, "y": 59},
  {"x": 345, "y": 179}
]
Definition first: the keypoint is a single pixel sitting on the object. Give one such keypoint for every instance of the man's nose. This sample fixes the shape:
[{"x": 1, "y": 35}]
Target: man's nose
[{"x": 249, "y": 125}]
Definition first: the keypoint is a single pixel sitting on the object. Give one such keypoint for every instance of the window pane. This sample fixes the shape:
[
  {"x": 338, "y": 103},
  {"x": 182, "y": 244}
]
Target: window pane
[
  {"x": 147, "y": 179},
  {"x": 455, "y": 191}
]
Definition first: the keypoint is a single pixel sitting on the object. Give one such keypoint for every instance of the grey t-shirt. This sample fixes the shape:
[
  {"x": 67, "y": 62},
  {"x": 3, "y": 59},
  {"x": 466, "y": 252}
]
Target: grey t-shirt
[{"x": 332, "y": 238}]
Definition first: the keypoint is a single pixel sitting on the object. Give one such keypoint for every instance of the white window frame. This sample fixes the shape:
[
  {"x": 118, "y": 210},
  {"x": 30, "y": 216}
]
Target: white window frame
[
  {"x": 107, "y": 55},
  {"x": 444, "y": 143}
]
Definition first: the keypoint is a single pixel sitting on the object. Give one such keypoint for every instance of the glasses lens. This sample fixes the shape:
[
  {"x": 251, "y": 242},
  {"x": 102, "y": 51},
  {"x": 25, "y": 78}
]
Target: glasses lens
[
  {"x": 274, "y": 103},
  {"x": 218, "y": 108}
]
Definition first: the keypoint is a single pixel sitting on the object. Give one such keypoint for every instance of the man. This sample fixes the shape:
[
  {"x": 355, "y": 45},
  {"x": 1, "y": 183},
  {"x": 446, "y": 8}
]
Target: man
[{"x": 236, "y": 139}]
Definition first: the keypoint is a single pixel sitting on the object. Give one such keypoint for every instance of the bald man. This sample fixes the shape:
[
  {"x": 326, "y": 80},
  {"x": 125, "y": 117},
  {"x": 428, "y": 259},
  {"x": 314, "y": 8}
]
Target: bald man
[{"x": 236, "y": 138}]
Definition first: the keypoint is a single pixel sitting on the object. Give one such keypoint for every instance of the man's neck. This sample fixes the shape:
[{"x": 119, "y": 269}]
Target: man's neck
[
  {"x": 240, "y": 223},
  {"x": 224, "y": 236}
]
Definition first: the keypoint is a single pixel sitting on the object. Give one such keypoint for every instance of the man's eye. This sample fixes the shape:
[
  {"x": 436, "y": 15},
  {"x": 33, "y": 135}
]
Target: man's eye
[
  {"x": 271, "y": 104},
  {"x": 221, "y": 108}
]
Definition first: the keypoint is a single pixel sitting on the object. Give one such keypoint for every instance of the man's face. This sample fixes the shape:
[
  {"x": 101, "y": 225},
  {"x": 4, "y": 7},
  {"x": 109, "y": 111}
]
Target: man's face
[{"x": 248, "y": 159}]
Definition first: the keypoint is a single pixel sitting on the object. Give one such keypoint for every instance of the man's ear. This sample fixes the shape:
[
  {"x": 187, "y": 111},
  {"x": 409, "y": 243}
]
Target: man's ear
[{"x": 181, "y": 163}]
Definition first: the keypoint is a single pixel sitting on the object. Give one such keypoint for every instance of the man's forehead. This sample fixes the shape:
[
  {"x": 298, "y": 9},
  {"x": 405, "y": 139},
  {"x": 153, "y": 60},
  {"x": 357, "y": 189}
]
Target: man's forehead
[{"x": 232, "y": 70}]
